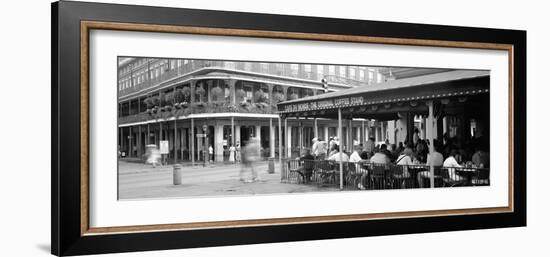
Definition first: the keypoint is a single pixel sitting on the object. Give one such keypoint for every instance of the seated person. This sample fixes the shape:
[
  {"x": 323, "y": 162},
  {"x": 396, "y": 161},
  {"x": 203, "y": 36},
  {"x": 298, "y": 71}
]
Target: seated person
[
  {"x": 451, "y": 164},
  {"x": 307, "y": 164},
  {"x": 333, "y": 150},
  {"x": 380, "y": 157},
  {"x": 365, "y": 155},
  {"x": 384, "y": 150},
  {"x": 434, "y": 159},
  {"x": 337, "y": 156},
  {"x": 405, "y": 159},
  {"x": 480, "y": 158},
  {"x": 355, "y": 157}
]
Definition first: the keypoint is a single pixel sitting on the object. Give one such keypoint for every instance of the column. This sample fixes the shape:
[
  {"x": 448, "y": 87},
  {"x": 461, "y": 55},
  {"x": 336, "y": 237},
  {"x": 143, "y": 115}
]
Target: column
[
  {"x": 238, "y": 135},
  {"x": 233, "y": 131},
  {"x": 121, "y": 138},
  {"x": 209, "y": 90},
  {"x": 325, "y": 128},
  {"x": 367, "y": 130},
  {"x": 192, "y": 85},
  {"x": 271, "y": 139},
  {"x": 270, "y": 94},
  {"x": 431, "y": 136},
  {"x": 288, "y": 135},
  {"x": 340, "y": 148},
  {"x": 285, "y": 93},
  {"x": 148, "y": 135},
  {"x": 315, "y": 128},
  {"x": 192, "y": 137},
  {"x": 350, "y": 137},
  {"x": 425, "y": 126},
  {"x": 232, "y": 98},
  {"x": 175, "y": 140},
  {"x": 139, "y": 149},
  {"x": 300, "y": 137},
  {"x": 218, "y": 142},
  {"x": 280, "y": 131},
  {"x": 182, "y": 141},
  {"x": 358, "y": 134},
  {"x": 363, "y": 136},
  {"x": 259, "y": 138},
  {"x": 130, "y": 141}
]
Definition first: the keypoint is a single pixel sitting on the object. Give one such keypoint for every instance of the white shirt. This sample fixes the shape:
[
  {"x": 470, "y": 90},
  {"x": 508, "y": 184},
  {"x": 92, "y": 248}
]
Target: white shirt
[
  {"x": 404, "y": 160},
  {"x": 339, "y": 157},
  {"x": 315, "y": 148},
  {"x": 379, "y": 158},
  {"x": 451, "y": 162},
  {"x": 355, "y": 157}
]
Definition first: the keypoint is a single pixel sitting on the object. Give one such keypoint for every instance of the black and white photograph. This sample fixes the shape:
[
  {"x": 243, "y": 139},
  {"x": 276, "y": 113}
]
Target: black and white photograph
[{"x": 213, "y": 128}]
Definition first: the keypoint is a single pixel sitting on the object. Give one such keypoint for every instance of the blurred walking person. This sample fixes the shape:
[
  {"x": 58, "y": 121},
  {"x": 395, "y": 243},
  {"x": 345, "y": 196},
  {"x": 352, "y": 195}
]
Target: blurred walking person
[
  {"x": 152, "y": 155},
  {"x": 249, "y": 157}
]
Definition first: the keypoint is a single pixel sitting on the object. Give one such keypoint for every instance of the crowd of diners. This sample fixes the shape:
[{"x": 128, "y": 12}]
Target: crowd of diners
[{"x": 451, "y": 153}]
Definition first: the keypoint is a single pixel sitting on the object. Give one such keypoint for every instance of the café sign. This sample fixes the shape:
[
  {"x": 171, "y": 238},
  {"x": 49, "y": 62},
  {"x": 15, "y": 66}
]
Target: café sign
[{"x": 325, "y": 104}]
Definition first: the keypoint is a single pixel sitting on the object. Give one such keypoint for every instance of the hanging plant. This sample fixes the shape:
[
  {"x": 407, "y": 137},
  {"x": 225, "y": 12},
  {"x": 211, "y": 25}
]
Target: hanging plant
[
  {"x": 217, "y": 94},
  {"x": 178, "y": 96},
  {"x": 148, "y": 102},
  {"x": 155, "y": 100},
  {"x": 186, "y": 92},
  {"x": 293, "y": 96},
  {"x": 240, "y": 93},
  {"x": 278, "y": 97},
  {"x": 259, "y": 97},
  {"x": 168, "y": 99},
  {"x": 201, "y": 92}
]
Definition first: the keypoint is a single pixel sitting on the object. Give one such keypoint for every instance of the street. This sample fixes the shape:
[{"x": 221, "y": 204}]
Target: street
[{"x": 139, "y": 181}]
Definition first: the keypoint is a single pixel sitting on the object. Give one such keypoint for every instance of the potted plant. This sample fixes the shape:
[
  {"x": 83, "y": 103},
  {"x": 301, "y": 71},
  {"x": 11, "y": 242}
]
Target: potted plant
[
  {"x": 240, "y": 93},
  {"x": 186, "y": 93},
  {"x": 278, "y": 97},
  {"x": 217, "y": 94},
  {"x": 201, "y": 92},
  {"x": 178, "y": 98},
  {"x": 168, "y": 101}
]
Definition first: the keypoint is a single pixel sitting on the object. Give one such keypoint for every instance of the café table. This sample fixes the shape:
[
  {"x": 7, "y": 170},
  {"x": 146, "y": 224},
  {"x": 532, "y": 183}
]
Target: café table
[{"x": 414, "y": 169}]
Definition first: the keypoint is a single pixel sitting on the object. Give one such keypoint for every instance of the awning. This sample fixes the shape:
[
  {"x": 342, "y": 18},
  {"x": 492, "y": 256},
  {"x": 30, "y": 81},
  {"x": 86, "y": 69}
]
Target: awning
[{"x": 385, "y": 100}]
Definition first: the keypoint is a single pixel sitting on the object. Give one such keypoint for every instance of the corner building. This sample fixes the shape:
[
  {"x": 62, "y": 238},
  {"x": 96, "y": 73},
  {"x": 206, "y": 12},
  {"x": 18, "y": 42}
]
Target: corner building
[{"x": 194, "y": 104}]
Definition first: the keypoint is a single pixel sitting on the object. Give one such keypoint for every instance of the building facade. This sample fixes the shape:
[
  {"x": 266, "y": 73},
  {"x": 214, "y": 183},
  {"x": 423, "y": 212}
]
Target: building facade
[{"x": 194, "y": 104}]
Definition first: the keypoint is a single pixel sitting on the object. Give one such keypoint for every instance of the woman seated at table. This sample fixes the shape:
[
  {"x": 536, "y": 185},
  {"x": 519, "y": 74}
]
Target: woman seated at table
[
  {"x": 333, "y": 150},
  {"x": 405, "y": 159},
  {"x": 434, "y": 159}
]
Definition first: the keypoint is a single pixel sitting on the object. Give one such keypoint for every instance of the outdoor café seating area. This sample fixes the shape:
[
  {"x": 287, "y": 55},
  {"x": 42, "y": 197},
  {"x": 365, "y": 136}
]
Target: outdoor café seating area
[
  {"x": 370, "y": 176},
  {"x": 453, "y": 110}
]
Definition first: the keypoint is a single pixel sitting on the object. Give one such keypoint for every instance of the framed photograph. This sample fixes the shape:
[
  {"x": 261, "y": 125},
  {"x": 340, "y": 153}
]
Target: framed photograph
[{"x": 179, "y": 128}]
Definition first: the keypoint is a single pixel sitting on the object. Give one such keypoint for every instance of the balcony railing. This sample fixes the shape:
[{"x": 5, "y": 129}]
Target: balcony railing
[{"x": 197, "y": 108}]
